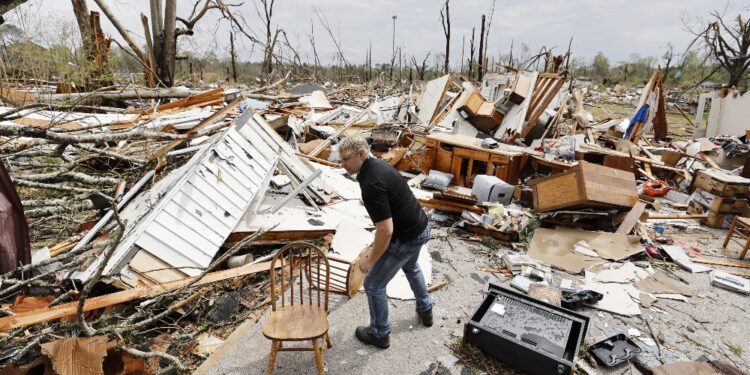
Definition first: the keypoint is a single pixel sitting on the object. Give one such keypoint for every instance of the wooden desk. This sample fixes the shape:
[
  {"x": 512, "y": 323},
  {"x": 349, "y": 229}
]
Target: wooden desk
[{"x": 464, "y": 157}]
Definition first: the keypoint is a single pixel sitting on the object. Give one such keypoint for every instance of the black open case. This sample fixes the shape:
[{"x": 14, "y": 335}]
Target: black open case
[{"x": 525, "y": 333}]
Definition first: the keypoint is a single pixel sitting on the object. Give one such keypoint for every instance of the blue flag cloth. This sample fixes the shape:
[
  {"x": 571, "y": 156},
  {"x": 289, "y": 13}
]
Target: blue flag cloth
[{"x": 641, "y": 115}]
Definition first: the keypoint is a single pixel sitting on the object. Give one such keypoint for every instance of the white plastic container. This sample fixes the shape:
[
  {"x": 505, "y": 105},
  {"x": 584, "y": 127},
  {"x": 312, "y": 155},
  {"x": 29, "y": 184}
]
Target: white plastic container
[{"x": 492, "y": 189}]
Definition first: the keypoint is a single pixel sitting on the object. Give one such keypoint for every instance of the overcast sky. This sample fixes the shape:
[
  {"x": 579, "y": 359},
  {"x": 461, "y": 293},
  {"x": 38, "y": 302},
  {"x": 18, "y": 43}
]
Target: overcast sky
[{"x": 617, "y": 28}]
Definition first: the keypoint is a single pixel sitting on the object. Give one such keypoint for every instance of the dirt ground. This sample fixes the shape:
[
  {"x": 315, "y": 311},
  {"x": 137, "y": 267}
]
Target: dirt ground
[{"x": 713, "y": 322}]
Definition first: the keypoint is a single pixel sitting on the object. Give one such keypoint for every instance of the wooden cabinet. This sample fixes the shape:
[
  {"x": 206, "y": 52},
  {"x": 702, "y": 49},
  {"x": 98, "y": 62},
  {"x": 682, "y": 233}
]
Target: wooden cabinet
[{"x": 585, "y": 185}]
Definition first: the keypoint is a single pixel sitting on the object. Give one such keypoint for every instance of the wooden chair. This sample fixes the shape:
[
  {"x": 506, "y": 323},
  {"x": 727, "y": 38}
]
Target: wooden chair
[
  {"x": 740, "y": 228},
  {"x": 303, "y": 316}
]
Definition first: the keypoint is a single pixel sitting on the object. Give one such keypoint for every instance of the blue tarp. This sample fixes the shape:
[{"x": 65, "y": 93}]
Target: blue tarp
[{"x": 641, "y": 115}]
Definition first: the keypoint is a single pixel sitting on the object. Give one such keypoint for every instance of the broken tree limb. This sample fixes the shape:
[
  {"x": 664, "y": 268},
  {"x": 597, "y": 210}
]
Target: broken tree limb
[
  {"x": 38, "y": 132},
  {"x": 193, "y": 281},
  {"x": 71, "y": 176},
  {"x": 53, "y": 210},
  {"x": 273, "y": 85},
  {"x": 61, "y": 187},
  {"x": 146, "y": 355},
  {"x": 114, "y": 242},
  {"x": 113, "y": 154},
  {"x": 68, "y": 309},
  {"x": 131, "y": 94}
]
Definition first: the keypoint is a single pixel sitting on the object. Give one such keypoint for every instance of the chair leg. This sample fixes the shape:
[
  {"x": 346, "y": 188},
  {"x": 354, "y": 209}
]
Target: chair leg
[
  {"x": 318, "y": 356},
  {"x": 729, "y": 233},
  {"x": 744, "y": 249},
  {"x": 328, "y": 341},
  {"x": 272, "y": 357}
]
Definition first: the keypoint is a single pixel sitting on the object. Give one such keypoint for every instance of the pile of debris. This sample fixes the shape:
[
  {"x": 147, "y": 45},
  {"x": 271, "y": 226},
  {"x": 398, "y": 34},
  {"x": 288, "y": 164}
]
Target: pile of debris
[{"x": 138, "y": 230}]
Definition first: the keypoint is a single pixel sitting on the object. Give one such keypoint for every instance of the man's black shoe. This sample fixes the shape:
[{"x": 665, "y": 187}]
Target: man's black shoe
[
  {"x": 365, "y": 335},
  {"x": 426, "y": 317}
]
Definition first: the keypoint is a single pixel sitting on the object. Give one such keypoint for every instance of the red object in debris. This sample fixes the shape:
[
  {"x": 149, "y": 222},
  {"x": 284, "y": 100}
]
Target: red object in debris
[
  {"x": 653, "y": 251},
  {"x": 656, "y": 188}
]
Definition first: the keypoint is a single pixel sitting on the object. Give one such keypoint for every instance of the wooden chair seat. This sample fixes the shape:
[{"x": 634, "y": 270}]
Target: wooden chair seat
[
  {"x": 296, "y": 323},
  {"x": 744, "y": 220}
]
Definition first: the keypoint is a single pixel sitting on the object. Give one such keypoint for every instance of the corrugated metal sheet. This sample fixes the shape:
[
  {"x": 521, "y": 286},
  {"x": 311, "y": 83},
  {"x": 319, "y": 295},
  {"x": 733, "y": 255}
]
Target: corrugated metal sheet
[{"x": 188, "y": 217}]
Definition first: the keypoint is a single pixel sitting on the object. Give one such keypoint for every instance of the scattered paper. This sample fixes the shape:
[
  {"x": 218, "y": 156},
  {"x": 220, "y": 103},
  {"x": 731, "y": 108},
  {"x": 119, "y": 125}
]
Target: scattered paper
[{"x": 498, "y": 309}]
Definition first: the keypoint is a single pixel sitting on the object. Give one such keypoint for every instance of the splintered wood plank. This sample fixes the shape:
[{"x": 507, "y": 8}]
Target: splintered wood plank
[
  {"x": 721, "y": 262},
  {"x": 68, "y": 309},
  {"x": 631, "y": 218},
  {"x": 214, "y": 118}
]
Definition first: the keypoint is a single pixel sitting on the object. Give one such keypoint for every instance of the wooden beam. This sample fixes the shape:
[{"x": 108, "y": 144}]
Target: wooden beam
[
  {"x": 214, "y": 118},
  {"x": 339, "y": 131},
  {"x": 68, "y": 309},
  {"x": 631, "y": 218},
  {"x": 677, "y": 216},
  {"x": 721, "y": 262}
]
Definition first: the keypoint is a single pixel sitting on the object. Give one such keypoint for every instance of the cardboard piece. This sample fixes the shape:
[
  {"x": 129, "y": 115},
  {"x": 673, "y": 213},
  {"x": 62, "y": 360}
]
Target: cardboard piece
[
  {"x": 660, "y": 283},
  {"x": 722, "y": 184},
  {"x": 555, "y": 247},
  {"x": 626, "y": 273},
  {"x": 77, "y": 356}
]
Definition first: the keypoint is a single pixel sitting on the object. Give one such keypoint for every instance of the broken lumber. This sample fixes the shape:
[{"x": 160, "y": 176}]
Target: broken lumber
[
  {"x": 631, "y": 218},
  {"x": 68, "y": 309},
  {"x": 214, "y": 118},
  {"x": 721, "y": 262},
  {"x": 677, "y": 216}
]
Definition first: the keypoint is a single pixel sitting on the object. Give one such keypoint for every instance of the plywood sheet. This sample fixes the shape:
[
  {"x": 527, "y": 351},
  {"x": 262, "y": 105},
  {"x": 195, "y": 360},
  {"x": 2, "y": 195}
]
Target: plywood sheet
[{"x": 431, "y": 97}]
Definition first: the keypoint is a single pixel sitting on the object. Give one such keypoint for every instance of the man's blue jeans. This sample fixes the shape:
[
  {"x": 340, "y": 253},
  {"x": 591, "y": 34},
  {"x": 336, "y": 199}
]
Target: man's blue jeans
[{"x": 399, "y": 255}]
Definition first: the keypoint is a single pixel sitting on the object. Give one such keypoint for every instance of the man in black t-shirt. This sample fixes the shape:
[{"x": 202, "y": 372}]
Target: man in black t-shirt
[{"x": 401, "y": 228}]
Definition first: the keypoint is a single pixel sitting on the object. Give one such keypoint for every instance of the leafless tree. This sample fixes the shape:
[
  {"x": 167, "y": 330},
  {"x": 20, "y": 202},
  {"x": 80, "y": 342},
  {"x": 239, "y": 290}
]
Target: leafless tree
[
  {"x": 668, "y": 56},
  {"x": 336, "y": 42},
  {"x": 471, "y": 52},
  {"x": 487, "y": 31},
  {"x": 729, "y": 44},
  {"x": 445, "y": 20},
  {"x": 161, "y": 61},
  {"x": 421, "y": 69},
  {"x": 480, "y": 60},
  {"x": 266, "y": 15}
]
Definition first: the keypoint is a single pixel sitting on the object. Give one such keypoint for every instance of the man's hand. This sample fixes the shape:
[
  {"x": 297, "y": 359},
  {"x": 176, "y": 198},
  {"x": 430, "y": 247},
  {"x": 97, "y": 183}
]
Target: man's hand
[{"x": 364, "y": 264}]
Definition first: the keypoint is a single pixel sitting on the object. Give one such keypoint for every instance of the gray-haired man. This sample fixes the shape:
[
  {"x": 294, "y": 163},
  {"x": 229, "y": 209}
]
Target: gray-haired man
[{"x": 401, "y": 228}]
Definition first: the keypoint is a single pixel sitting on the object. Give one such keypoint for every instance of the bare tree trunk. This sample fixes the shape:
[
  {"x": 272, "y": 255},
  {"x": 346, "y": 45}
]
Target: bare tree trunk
[
  {"x": 480, "y": 61},
  {"x": 445, "y": 19},
  {"x": 463, "y": 49},
  {"x": 81, "y": 12},
  {"x": 471, "y": 54},
  {"x": 169, "y": 46},
  {"x": 157, "y": 24},
  {"x": 233, "y": 56}
]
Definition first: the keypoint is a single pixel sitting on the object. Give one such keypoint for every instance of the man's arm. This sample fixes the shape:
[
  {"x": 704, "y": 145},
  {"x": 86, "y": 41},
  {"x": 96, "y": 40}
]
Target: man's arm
[{"x": 383, "y": 233}]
